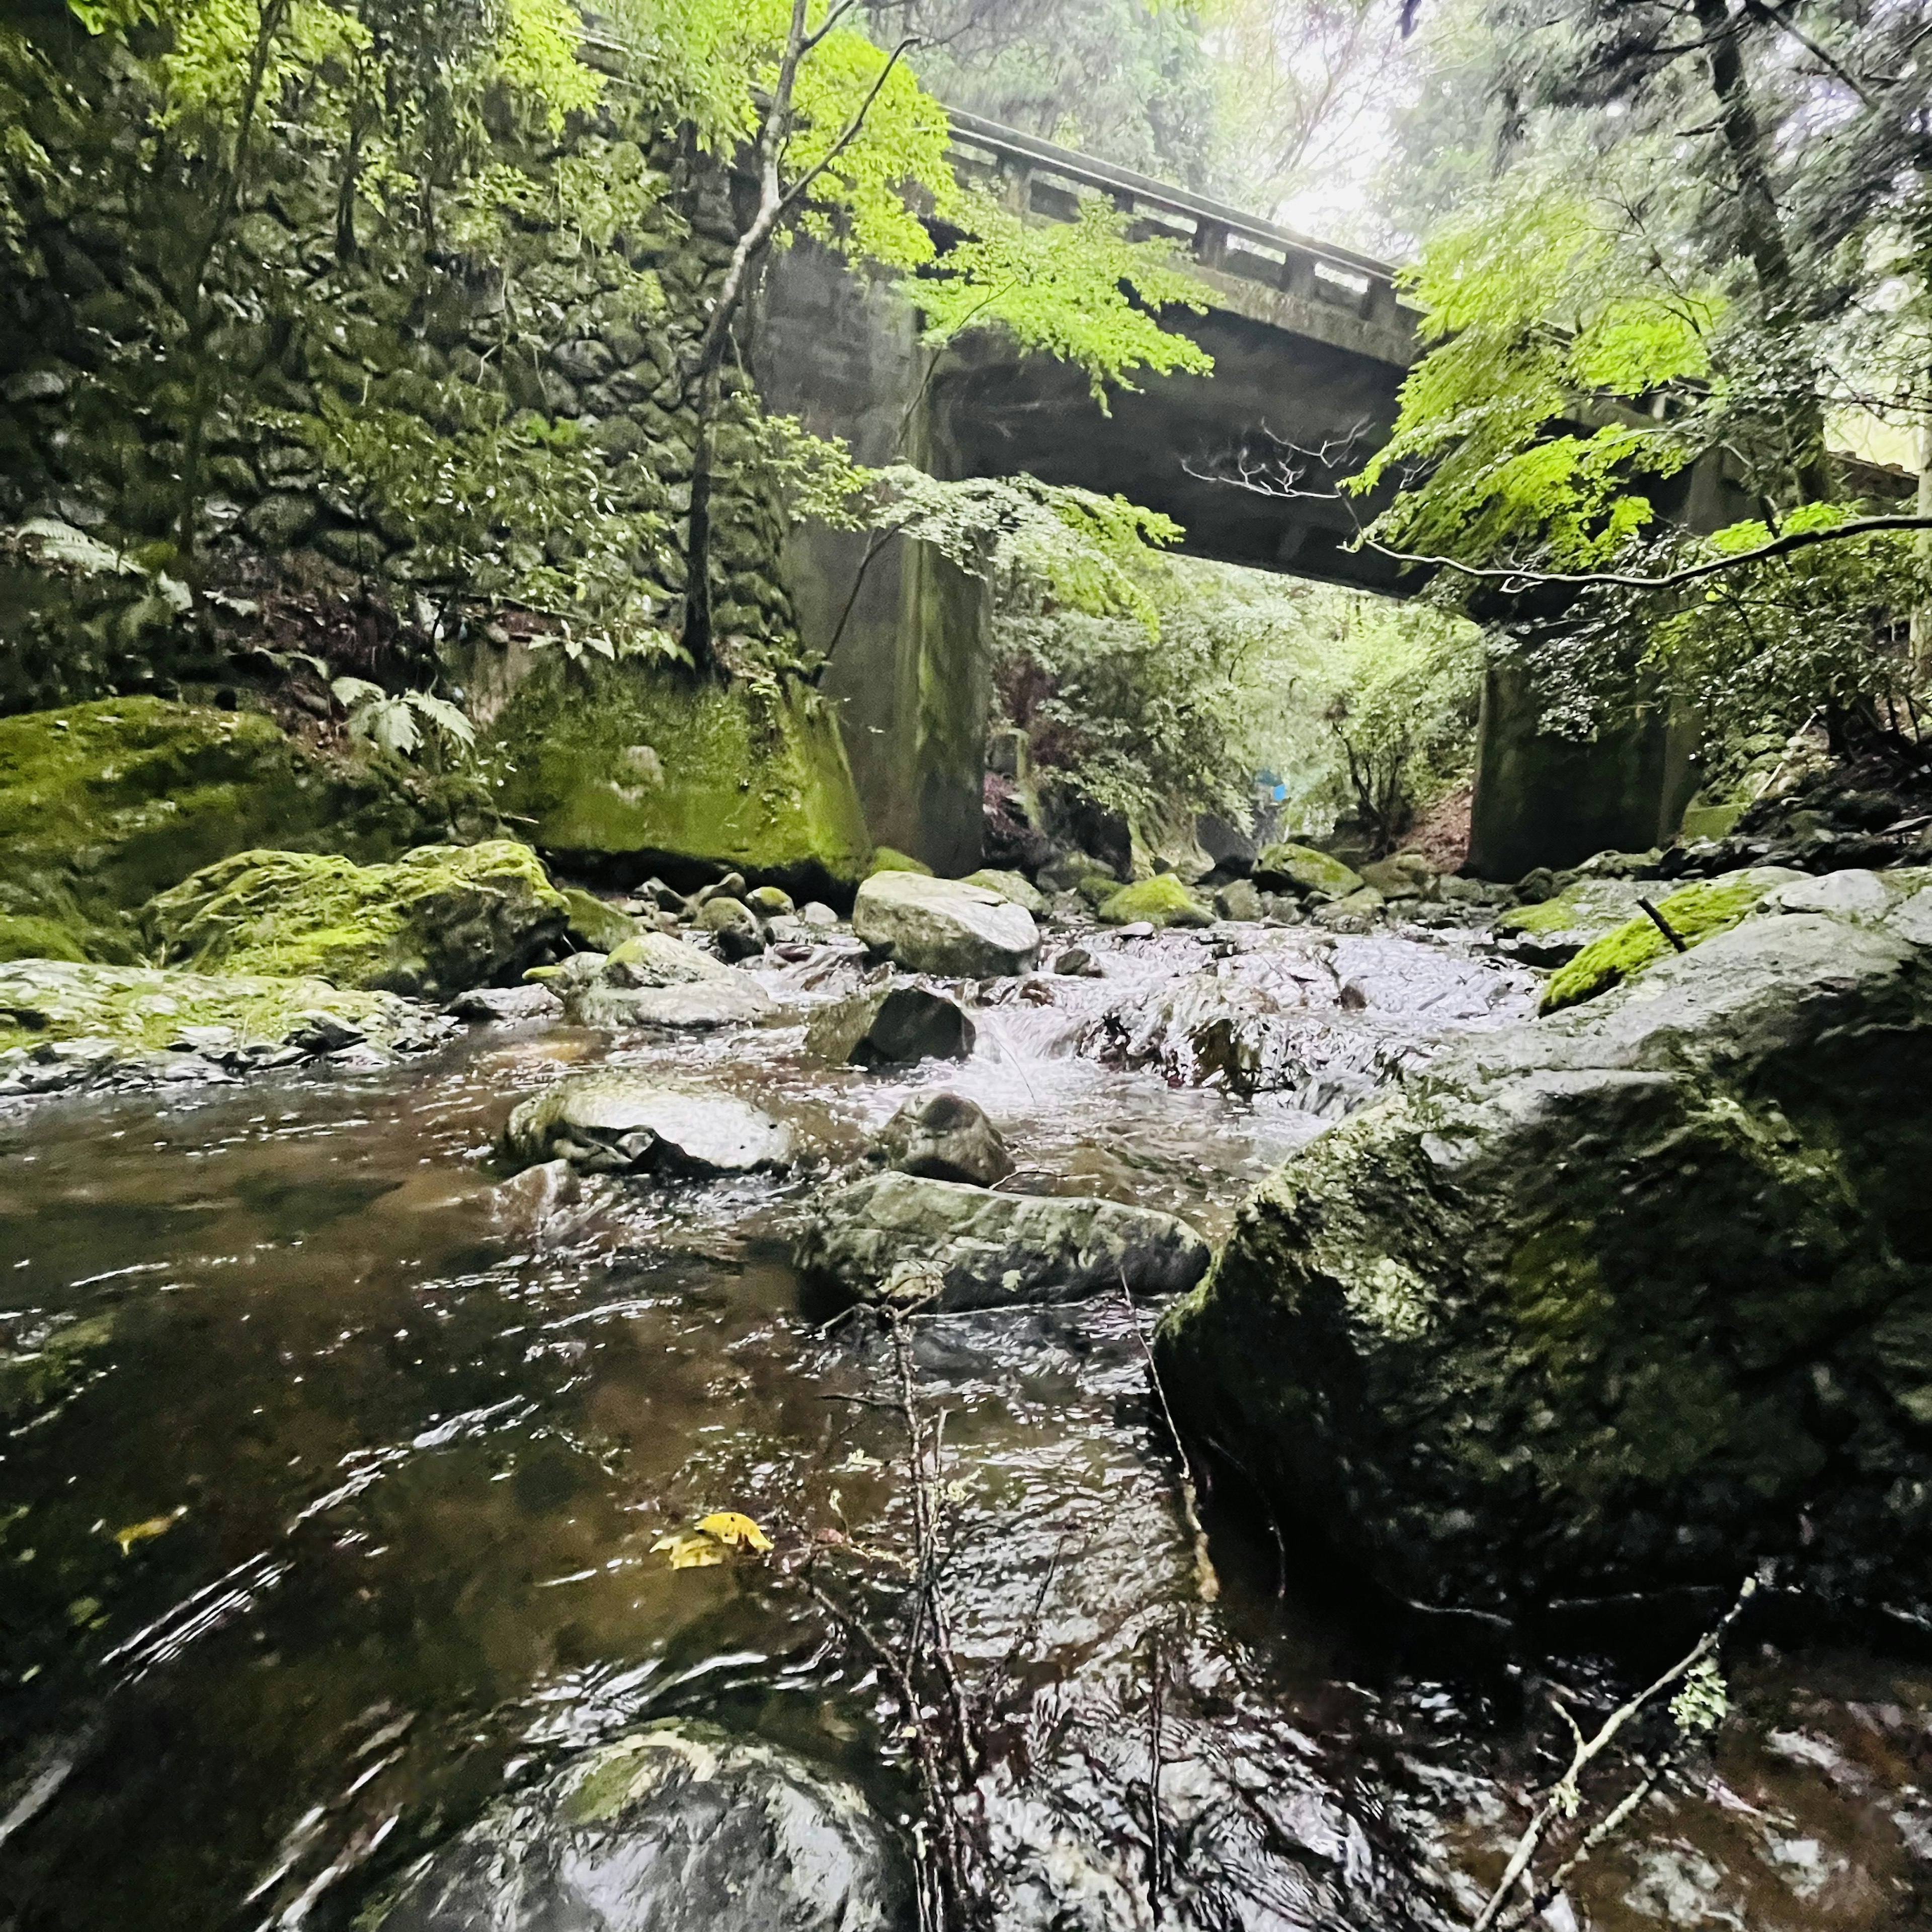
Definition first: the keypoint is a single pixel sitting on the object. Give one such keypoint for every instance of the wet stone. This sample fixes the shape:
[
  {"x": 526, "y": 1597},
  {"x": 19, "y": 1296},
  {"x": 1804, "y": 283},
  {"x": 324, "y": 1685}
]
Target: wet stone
[
  {"x": 503, "y": 1006},
  {"x": 615, "y": 1120},
  {"x": 945, "y": 925},
  {"x": 899, "y": 1238},
  {"x": 894, "y": 1026},
  {"x": 945, "y": 1137},
  {"x": 679, "y": 1828}
]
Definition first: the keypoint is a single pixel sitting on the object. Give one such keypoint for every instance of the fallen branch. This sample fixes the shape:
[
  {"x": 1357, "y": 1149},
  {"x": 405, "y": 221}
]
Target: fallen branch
[{"x": 1664, "y": 926}]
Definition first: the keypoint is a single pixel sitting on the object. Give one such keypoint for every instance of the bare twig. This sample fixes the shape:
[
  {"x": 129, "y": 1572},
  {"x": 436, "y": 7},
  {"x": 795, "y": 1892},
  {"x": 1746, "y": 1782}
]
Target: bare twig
[
  {"x": 1663, "y": 925},
  {"x": 1155, "y": 1864},
  {"x": 1561, "y": 1800}
]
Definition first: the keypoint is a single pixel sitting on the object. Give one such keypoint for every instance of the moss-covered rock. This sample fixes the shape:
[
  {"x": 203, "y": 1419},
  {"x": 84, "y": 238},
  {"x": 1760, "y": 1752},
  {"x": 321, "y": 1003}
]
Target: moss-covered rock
[
  {"x": 1623, "y": 1298},
  {"x": 682, "y": 776},
  {"x": 442, "y": 918},
  {"x": 1013, "y": 886},
  {"x": 1162, "y": 900},
  {"x": 595, "y": 925},
  {"x": 1305, "y": 869},
  {"x": 103, "y": 805},
  {"x": 890, "y": 859},
  {"x": 1552, "y": 931},
  {"x": 1694, "y": 913},
  {"x": 144, "y": 1009}
]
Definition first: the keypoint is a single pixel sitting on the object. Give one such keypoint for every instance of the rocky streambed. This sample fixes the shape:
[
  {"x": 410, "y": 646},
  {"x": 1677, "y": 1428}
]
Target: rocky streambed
[{"x": 360, "y": 1443}]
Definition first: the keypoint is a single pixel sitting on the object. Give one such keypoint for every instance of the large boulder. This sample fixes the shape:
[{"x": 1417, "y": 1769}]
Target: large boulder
[
  {"x": 103, "y": 805},
  {"x": 1621, "y": 1298},
  {"x": 618, "y": 1119},
  {"x": 1306, "y": 870},
  {"x": 678, "y": 775},
  {"x": 894, "y": 1237},
  {"x": 1554, "y": 930},
  {"x": 944, "y": 1137},
  {"x": 1161, "y": 901},
  {"x": 890, "y": 1026},
  {"x": 442, "y": 918},
  {"x": 678, "y": 1828},
  {"x": 947, "y": 926}
]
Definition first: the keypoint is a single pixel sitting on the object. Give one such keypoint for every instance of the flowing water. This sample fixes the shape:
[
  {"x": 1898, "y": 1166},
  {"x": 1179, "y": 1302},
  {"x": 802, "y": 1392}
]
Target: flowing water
[{"x": 332, "y": 1478}]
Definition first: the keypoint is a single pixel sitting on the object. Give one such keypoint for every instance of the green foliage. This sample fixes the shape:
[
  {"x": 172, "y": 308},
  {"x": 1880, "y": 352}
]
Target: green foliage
[
  {"x": 391, "y": 724},
  {"x": 1702, "y": 1702}
]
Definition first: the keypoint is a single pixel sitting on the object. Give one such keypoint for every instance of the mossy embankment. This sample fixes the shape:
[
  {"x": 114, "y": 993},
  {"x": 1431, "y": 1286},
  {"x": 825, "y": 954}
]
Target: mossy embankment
[{"x": 103, "y": 805}]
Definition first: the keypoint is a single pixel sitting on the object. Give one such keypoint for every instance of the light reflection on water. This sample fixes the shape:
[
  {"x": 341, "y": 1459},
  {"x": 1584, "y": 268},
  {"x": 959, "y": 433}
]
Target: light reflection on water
[{"x": 423, "y": 1453}]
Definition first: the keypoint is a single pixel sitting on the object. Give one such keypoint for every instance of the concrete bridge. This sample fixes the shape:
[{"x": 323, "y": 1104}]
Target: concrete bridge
[{"x": 1310, "y": 343}]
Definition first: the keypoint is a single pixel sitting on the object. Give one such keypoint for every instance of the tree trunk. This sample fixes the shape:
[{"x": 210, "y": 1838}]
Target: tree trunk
[{"x": 698, "y": 637}]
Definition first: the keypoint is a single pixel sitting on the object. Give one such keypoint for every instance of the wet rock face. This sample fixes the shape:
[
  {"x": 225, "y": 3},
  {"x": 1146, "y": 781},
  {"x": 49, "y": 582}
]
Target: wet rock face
[
  {"x": 442, "y": 919},
  {"x": 944, "y": 1137},
  {"x": 615, "y": 1120},
  {"x": 1554, "y": 930},
  {"x": 679, "y": 1828},
  {"x": 1618, "y": 1299},
  {"x": 946, "y": 926},
  {"x": 895, "y": 1237},
  {"x": 896, "y": 1026}
]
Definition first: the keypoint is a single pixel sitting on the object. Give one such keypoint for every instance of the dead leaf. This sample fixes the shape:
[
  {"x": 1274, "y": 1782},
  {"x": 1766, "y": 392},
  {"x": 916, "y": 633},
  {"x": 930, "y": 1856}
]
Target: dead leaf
[
  {"x": 722, "y": 1531},
  {"x": 691, "y": 1552},
  {"x": 728, "y": 1526},
  {"x": 155, "y": 1526}
]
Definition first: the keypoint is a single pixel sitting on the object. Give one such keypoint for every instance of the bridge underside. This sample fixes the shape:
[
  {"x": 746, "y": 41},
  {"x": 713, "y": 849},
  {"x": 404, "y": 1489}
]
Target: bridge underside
[{"x": 910, "y": 673}]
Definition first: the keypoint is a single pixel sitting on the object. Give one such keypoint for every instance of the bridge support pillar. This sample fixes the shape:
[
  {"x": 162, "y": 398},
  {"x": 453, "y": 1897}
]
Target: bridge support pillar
[
  {"x": 909, "y": 634},
  {"x": 1543, "y": 800}
]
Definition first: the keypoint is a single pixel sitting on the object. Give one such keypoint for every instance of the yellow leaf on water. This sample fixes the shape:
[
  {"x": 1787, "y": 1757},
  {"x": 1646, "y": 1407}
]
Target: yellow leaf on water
[
  {"x": 155, "y": 1526},
  {"x": 728, "y": 1526},
  {"x": 691, "y": 1552}
]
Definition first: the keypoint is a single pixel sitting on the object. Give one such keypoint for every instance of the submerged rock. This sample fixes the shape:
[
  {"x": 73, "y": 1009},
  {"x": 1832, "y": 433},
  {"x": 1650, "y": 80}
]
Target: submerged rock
[
  {"x": 890, "y": 1026},
  {"x": 442, "y": 919},
  {"x": 1160, "y": 901},
  {"x": 1621, "y": 1298},
  {"x": 944, "y": 1137},
  {"x": 896, "y": 1237},
  {"x": 945, "y": 926},
  {"x": 616, "y": 1119},
  {"x": 678, "y": 1828}
]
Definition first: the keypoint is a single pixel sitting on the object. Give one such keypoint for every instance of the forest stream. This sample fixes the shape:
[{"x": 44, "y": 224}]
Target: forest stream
[{"x": 333, "y": 1476}]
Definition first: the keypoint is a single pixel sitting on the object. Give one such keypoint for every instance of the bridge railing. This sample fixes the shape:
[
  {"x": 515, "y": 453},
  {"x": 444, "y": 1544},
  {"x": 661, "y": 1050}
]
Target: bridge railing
[{"x": 1035, "y": 177}]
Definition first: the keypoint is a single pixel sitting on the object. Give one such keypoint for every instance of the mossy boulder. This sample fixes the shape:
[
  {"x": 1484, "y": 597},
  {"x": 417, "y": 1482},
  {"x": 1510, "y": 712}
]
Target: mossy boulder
[
  {"x": 1015, "y": 886},
  {"x": 595, "y": 925},
  {"x": 1161, "y": 901},
  {"x": 441, "y": 919},
  {"x": 103, "y": 805},
  {"x": 1619, "y": 1300},
  {"x": 681, "y": 776},
  {"x": 1552, "y": 931},
  {"x": 890, "y": 859},
  {"x": 143, "y": 1010},
  {"x": 1306, "y": 870},
  {"x": 1694, "y": 912}
]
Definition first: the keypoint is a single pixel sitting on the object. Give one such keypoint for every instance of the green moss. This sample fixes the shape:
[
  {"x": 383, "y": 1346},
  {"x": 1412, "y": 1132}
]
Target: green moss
[
  {"x": 1163, "y": 899},
  {"x": 143, "y": 1009},
  {"x": 1313, "y": 872},
  {"x": 887, "y": 859},
  {"x": 594, "y": 926},
  {"x": 442, "y": 918},
  {"x": 103, "y": 805},
  {"x": 24, "y": 937},
  {"x": 1097, "y": 888},
  {"x": 1694, "y": 913},
  {"x": 638, "y": 759}
]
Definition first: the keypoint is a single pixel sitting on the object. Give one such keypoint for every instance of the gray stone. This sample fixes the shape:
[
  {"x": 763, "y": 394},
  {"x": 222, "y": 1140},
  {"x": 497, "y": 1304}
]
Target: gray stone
[
  {"x": 1239, "y": 900},
  {"x": 944, "y": 926},
  {"x": 34, "y": 385},
  {"x": 769, "y": 902},
  {"x": 688, "y": 1006},
  {"x": 678, "y": 1828},
  {"x": 1850, "y": 894},
  {"x": 323, "y": 1032},
  {"x": 896, "y": 1237},
  {"x": 1077, "y": 963},
  {"x": 503, "y": 1006},
  {"x": 652, "y": 959},
  {"x": 1306, "y": 870},
  {"x": 734, "y": 925},
  {"x": 816, "y": 914},
  {"x": 1014, "y": 886},
  {"x": 944, "y": 1137},
  {"x": 617, "y": 1119},
  {"x": 890, "y": 1026},
  {"x": 1599, "y": 1302}
]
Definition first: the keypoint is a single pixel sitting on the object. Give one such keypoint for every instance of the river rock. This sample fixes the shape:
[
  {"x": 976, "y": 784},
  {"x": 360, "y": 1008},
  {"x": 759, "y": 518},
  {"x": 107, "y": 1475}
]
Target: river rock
[
  {"x": 595, "y": 924},
  {"x": 1160, "y": 901},
  {"x": 734, "y": 925},
  {"x": 946, "y": 926},
  {"x": 680, "y": 1827},
  {"x": 440, "y": 920},
  {"x": 1554, "y": 930},
  {"x": 1239, "y": 899},
  {"x": 1305, "y": 869},
  {"x": 895, "y": 1236},
  {"x": 894, "y": 1026},
  {"x": 1015, "y": 886},
  {"x": 944, "y": 1137},
  {"x": 502, "y": 1006},
  {"x": 1402, "y": 875},
  {"x": 617, "y": 1119},
  {"x": 1626, "y": 1297},
  {"x": 654, "y": 980}
]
